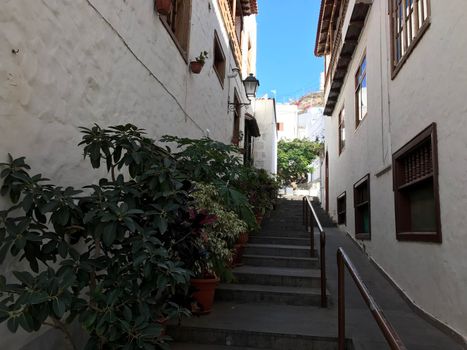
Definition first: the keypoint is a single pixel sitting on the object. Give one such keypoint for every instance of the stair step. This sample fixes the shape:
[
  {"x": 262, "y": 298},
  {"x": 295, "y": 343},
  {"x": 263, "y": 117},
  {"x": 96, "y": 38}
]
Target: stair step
[
  {"x": 285, "y": 233},
  {"x": 246, "y": 340},
  {"x": 269, "y": 294},
  {"x": 262, "y": 239},
  {"x": 280, "y": 261},
  {"x": 191, "y": 346},
  {"x": 278, "y": 276},
  {"x": 277, "y": 250}
]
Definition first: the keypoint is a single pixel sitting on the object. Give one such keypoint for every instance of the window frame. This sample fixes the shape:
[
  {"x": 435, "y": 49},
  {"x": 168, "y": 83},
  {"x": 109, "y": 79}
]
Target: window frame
[
  {"x": 237, "y": 114},
  {"x": 396, "y": 66},
  {"x": 406, "y": 235},
  {"x": 341, "y": 127},
  {"x": 358, "y": 87},
  {"x": 342, "y": 198},
  {"x": 357, "y": 205},
  {"x": 218, "y": 47},
  {"x": 168, "y": 26}
]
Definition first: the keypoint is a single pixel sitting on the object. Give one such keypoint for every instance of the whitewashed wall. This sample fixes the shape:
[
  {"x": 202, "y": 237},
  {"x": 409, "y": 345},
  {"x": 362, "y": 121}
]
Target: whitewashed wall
[
  {"x": 287, "y": 114},
  {"x": 429, "y": 88},
  {"x": 71, "y": 63},
  {"x": 265, "y": 154}
]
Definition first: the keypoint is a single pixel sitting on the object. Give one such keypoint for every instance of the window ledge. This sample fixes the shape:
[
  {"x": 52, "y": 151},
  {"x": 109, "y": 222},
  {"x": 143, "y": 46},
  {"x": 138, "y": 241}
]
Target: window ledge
[
  {"x": 396, "y": 68},
  {"x": 363, "y": 236},
  {"x": 429, "y": 237},
  {"x": 174, "y": 38}
]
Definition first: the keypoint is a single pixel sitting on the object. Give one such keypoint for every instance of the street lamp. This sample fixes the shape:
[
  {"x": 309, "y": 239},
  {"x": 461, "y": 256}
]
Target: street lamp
[{"x": 251, "y": 85}]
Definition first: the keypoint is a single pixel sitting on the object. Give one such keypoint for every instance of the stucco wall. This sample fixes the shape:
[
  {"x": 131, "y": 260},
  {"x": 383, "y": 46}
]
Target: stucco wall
[
  {"x": 429, "y": 88},
  {"x": 265, "y": 156},
  {"x": 71, "y": 63},
  {"x": 287, "y": 114}
]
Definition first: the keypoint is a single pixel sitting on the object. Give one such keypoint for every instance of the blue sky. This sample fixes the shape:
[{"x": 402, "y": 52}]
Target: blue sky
[{"x": 286, "y": 37}]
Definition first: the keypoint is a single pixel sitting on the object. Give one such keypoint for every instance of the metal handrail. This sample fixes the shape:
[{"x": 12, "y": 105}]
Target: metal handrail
[
  {"x": 309, "y": 218},
  {"x": 389, "y": 332}
]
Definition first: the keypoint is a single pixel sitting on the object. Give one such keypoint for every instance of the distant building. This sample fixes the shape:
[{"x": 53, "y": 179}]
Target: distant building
[{"x": 265, "y": 150}]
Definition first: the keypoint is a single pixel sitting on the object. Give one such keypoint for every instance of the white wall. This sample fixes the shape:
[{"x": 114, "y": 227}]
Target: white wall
[
  {"x": 265, "y": 152},
  {"x": 311, "y": 124},
  {"x": 80, "y": 62},
  {"x": 429, "y": 88},
  {"x": 287, "y": 114}
]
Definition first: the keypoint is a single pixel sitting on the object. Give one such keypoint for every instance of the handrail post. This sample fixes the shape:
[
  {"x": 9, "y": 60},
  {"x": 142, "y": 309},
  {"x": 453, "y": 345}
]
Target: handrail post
[
  {"x": 303, "y": 209},
  {"x": 341, "y": 301},
  {"x": 324, "y": 297},
  {"x": 312, "y": 235}
]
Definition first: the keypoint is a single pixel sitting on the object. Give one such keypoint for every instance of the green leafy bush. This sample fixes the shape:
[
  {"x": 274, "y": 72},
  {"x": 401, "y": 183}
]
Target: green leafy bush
[{"x": 113, "y": 256}]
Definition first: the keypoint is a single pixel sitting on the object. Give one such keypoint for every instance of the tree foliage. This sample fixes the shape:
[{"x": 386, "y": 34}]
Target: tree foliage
[{"x": 294, "y": 158}]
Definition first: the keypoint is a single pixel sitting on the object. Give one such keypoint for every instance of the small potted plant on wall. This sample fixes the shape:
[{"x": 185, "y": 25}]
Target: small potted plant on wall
[
  {"x": 164, "y": 6},
  {"x": 198, "y": 63}
]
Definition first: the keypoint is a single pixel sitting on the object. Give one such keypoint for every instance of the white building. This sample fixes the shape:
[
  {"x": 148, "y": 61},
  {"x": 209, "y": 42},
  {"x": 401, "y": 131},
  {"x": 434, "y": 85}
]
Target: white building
[
  {"x": 66, "y": 64},
  {"x": 265, "y": 151},
  {"x": 287, "y": 121},
  {"x": 395, "y": 142}
]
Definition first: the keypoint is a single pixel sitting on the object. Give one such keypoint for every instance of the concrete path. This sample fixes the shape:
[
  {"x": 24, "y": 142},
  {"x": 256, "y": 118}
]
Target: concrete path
[{"x": 275, "y": 304}]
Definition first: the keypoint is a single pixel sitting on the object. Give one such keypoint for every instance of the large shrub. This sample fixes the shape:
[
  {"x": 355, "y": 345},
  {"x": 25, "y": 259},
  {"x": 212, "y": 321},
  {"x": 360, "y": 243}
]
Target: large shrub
[{"x": 113, "y": 255}]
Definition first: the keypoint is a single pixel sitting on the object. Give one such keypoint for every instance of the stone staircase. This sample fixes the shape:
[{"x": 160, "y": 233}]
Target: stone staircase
[{"x": 274, "y": 303}]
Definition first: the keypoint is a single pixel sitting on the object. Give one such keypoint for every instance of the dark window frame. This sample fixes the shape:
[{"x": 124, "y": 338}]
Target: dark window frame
[
  {"x": 341, "y": 130},
  {"x": 358, "y": 87},
  {"x": 169, "y": 23},
  {"x": 360, "y": 204},
  {"x": 400, "y": 30},
  {"x": 402, "y": 233},
  {"x": 342, "y": 212},
  {"x": 219, "y": 60},
  {"x": 237, "y": 113}
]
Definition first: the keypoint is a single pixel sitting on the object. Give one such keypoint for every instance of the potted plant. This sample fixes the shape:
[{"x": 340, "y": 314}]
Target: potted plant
[
  {"x": 198, "y": 63},
  {"x": 164, "y": 7},
  {"x": 218, "y": 240}
]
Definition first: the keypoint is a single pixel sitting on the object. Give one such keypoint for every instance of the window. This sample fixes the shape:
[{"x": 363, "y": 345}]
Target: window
[
  {"x": 177, "y": 23},
  {"x": 361, "y": 193},
  {"x": 361, "y": 100},
  {"x": 341, "y": 130},
  {"x": 341, "y": 209},
  {"x": 280, "y": 126},
  {"x": 416, "y": 189},
  {"x": 409, "y": 21},
  {"x": 219, "y": 59},
  {"x": 236, "y": 125}
]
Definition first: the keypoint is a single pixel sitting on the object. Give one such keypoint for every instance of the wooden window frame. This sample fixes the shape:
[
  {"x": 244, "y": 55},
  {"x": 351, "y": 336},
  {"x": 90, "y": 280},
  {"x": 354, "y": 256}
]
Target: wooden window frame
[
  {"x": 358, "y": 87},
  {"x": 429, "y": 133},
  {"x": 237, "y": 113},
  {"x": 342, "y": 198},
  {"x": 357, "y": 205},
  {"x": 420, "y": 28},
  {"x": 280, "y": 126},
  {"x": 218, "y": 49},
  {"x": 341, "y": 127},
  {"x": 170, "y": 30}
]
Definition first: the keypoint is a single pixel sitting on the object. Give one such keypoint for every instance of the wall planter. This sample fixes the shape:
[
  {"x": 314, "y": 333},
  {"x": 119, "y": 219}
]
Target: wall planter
[
  {"x": 205, "y": 289},
  {"x": 164, "y": 6},
  {"x": 196, "y": 67}
]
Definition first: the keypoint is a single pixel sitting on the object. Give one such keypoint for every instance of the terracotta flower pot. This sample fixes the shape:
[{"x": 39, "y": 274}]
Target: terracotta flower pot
[
  {"x": 196, "y": 67},
  {"x": 164, "y": 6},
  {"x": 243, "y": 238},
  {"x": 259, "y": 219},
  {"x": 238, "y": 254},
  {"x": 204, "y": 293}
]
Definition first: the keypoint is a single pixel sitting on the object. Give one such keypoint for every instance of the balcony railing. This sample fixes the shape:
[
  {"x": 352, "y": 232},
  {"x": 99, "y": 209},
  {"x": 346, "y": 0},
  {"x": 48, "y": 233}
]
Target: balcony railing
[{"x": 229, "y": 22}]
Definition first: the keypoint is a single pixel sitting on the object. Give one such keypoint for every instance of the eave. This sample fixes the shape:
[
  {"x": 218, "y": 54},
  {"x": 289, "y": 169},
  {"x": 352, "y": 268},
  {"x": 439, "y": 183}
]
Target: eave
[
  {"x": 346, "y": 52},
  {"x": 324, "y": 22},
  {"x": 249, "y": 7}
]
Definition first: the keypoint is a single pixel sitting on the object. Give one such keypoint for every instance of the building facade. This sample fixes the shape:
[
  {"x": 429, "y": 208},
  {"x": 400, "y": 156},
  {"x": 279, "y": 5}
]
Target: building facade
[
  {"x": 265, "y": 146},
  {"x": 67, "y": 64},
  {"x": 395, "y": 162}
]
